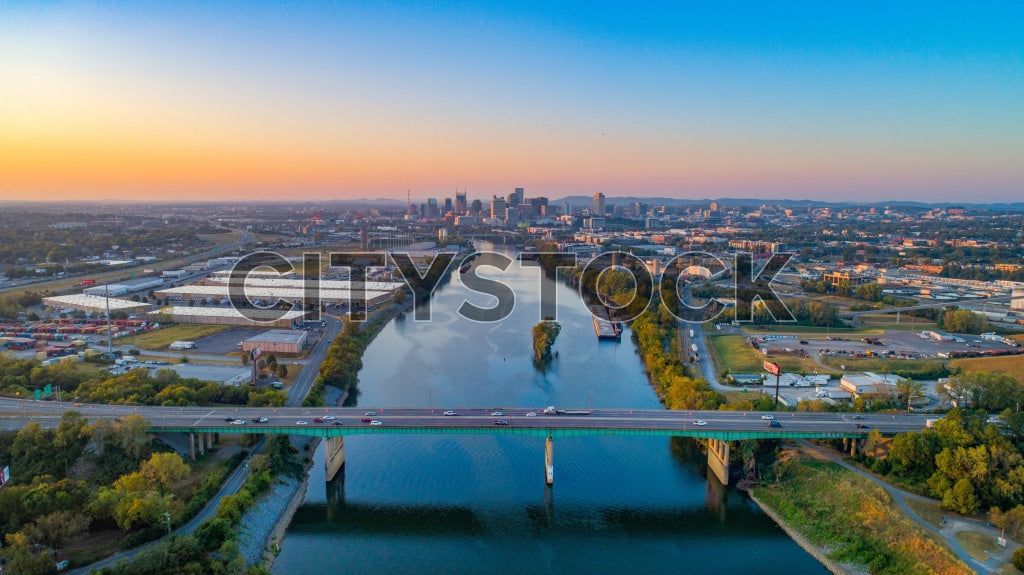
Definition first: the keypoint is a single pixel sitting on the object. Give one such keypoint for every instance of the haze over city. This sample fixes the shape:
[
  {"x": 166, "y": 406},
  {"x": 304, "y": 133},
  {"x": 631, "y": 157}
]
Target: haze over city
[{"x": 225, "y": 101}]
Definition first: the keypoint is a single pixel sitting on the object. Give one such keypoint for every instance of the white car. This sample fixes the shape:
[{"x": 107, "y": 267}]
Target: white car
[
  {"x": 327, "y": 417},
  {"x": 450, "y": 413},
  {"x": 301, "y": 422},
  {"x": 531, "y": 414},
  {"x": 700, "y": 422},
  {"x": 768, "y": 417},
  {"x": 238, "y": 422},
  {"x": 496, "y": 414},
  {"x": 376, "y": 422}
]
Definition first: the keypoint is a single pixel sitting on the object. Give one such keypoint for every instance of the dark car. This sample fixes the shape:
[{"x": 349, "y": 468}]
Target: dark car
[
  {"x": 318, "y": 420},
  {"x": 229, "y": 419},
  {"x": 338, "y": 423},
  {"x": 774, "y": 423},
  {"x": 500, "y": 422},
  {"x": 367, "y": 419},
  {"x": 859, "y": 425}
]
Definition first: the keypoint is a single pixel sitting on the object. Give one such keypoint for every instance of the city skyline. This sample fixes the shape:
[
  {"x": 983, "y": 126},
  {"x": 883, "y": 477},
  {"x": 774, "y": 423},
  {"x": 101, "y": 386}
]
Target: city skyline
[{"x": 209, "y": 101}]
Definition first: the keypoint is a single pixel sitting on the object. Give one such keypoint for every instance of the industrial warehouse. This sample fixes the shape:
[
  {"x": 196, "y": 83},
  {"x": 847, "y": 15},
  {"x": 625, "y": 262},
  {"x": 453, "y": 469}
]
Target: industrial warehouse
[
  {"x": 277, "y": 341},
  {"x": 294, "y": 295},
  {"x": 94, "y": 303},
  {"x": 227, "y": 316}
]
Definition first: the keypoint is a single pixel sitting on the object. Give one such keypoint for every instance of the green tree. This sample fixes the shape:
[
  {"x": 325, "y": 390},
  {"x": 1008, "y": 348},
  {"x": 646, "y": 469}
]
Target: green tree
[
  {"x": 164, "y": 470},
  {"x": 130, "y": 434},
  {"x": 961, "y": 498}
]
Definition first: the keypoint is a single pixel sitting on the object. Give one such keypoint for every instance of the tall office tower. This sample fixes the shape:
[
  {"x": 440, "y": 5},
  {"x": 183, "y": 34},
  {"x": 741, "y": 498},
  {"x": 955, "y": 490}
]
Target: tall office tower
[
  {"x": 597, "y": 206},
  {"x": 516, "y": 197},
  {"x": 432, "y": 209},
  {"x": 498, "y": 206},
  {"x": 447, "y": 206},
  {"x": 476, "y": 207},
  {"x": 460, "y": 203}
]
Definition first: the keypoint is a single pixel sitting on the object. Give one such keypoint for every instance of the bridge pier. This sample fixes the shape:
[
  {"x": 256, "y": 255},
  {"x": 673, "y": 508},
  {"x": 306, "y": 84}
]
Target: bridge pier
[
  {"x": 334, "y": 456},
  {"x": 549, "y": 461},
  {"x": 192, "y": 446},
  {"x": 718, "y": 459}
]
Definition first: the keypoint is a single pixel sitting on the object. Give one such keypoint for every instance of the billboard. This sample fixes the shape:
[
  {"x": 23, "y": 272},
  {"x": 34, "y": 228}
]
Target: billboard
[{"x": 772, "y": 368}]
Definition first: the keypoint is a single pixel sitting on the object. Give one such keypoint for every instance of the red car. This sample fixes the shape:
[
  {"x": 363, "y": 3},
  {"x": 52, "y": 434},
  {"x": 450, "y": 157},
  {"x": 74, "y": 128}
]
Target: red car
[
  {"x": 318, "y": 420},
  {"x": 367, "y": 420}
]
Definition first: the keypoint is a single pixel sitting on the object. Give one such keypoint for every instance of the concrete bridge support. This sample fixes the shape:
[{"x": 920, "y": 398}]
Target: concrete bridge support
[
  {"x": 549, "y": 461},
  {"x": 718, "y": 459},
  {"x": 192, "y": 446},
  {"x": 334, "y": 455},
  {"x": 853, "y": 444}
]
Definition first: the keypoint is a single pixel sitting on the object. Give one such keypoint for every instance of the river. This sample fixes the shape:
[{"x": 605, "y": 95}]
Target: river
[{"x": 478, "y": 504}]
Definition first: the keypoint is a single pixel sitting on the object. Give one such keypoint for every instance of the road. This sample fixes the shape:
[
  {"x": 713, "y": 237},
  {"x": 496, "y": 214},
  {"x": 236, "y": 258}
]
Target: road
[
  {"x": 14, "y": 414},
  {"x": 707, "y": 367}
]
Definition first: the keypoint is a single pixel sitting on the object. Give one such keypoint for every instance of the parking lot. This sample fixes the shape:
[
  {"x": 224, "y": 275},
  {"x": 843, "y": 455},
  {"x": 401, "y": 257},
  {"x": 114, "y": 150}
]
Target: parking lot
[
  {"x": 225, "y": 342},
  {"x": 898, "y": 344}
]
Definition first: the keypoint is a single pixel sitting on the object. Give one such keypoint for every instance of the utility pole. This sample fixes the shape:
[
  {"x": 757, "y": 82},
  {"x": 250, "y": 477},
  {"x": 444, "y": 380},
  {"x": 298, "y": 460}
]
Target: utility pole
[{"x": 110, "y": 336}]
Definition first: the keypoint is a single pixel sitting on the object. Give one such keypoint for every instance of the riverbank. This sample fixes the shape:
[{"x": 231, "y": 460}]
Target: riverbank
[
  {"x": 819, "y": 553},
  {"x": 857, "y": 528}
]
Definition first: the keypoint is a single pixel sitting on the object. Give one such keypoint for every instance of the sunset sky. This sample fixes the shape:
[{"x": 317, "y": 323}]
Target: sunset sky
[{"x": 238, "y": 100}]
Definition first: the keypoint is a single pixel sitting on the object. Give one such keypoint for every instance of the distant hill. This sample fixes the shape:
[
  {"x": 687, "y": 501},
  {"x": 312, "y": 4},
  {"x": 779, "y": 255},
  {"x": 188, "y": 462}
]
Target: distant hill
[{"x": 787, "y": 203}]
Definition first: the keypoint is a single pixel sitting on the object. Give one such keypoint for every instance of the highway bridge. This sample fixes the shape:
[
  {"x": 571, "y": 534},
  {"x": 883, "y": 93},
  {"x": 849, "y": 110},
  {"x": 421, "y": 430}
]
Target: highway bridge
[{"x": 718, "y": 428}]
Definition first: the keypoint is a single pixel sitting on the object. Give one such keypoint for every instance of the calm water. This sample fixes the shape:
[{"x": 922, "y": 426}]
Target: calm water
[{"x": 430, "y": 504}]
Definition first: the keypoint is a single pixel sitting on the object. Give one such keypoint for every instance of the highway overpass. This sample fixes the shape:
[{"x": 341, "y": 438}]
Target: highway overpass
[{"x": 717, "y": 427}]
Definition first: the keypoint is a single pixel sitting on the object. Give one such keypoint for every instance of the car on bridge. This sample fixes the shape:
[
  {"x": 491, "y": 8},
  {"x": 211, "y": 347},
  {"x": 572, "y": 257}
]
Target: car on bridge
[
  {"x": 700, "y": 422},
  {"x": 376, "y": 422},
  {"x": 370, "y": 413},
  {"x": 259, "y": 420},
  {"x": 768, "y": 417},
  {"x": 238, "y": 422},
  {"x": 450, "y": 413},
  {"x": 531, "y": 414},
  {"x": 301, "y": 422},
  {"x": 497, "y": 414},
  {"x": 327, "y": 417},
  {"x": 774, "y": 423},
  {"x": 500, "y": 422},
  {"x": 318, "y": 420}
]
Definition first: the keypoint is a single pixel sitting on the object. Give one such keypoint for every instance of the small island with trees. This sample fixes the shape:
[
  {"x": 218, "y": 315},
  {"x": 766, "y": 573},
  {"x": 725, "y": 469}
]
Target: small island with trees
[{"x": 544, "y": 334}]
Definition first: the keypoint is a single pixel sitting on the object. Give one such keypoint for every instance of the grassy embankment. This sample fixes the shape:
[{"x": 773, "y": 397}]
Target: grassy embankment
[
  {"x": 159, "y": 339},
  {"x": 733, "y": 353},
  {"x": 1009, "y": 364},
  {"x": 856, "y": 523}
]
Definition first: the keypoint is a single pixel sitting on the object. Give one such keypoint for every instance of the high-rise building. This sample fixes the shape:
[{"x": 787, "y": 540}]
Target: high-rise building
[
  {"x": 597, "y": 206},
  {"x": 447, "y": 206},
  {"x": 460, "y": 203},
  {"x": 516, "y": 197},
  {"x": 498, "y": 206},
  {"x": 476, "y": 207}
]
